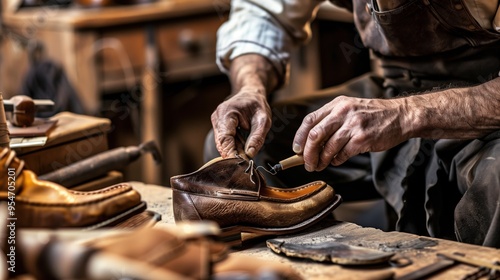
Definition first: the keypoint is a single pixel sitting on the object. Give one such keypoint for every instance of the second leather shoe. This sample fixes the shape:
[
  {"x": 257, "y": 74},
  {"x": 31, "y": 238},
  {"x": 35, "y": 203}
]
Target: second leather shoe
[
  {"x": 170, "y": 252},
  {"x": 42, "y": 204},
  {"x": 234, "y": 194}
]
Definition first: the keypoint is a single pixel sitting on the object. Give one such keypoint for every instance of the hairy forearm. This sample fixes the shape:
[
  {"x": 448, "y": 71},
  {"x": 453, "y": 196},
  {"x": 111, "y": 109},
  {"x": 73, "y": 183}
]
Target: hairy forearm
[
  {"x": 253, "y": 70},
  {"x": 459, "y": 113}
]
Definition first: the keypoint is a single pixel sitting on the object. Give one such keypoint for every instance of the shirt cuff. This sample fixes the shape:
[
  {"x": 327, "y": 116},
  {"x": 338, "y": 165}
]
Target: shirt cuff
[
  {"x": 253, "y": 37},
  {"x": 238, "y": 48}
]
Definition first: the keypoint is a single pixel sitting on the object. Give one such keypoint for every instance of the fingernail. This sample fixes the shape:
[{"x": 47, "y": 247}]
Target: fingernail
[
  {"x": 296, "y": 148},
  {"x": 250, "y": 152},
  {"x": 308, "y": 168}
]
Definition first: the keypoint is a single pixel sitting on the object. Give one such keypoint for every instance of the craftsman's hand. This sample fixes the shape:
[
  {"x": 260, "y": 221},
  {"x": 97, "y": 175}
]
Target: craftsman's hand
[
  {"x": 247, "y": 110},
  {"x": 252, "y": 78},
  {"x": 349, "y": 126}
]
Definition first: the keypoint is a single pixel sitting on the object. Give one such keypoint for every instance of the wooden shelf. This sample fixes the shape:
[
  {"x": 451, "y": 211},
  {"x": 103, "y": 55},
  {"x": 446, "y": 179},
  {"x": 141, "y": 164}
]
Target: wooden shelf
[{"x": 76, "y": 17}]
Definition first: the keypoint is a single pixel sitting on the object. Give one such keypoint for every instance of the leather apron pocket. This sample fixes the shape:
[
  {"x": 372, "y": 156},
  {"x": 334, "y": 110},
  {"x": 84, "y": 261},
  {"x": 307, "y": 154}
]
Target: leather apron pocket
[{"x": 418, "y": 27}]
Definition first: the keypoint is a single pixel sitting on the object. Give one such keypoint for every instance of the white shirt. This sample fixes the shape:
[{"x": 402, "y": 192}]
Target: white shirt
[{"x": 272, "y": 27}]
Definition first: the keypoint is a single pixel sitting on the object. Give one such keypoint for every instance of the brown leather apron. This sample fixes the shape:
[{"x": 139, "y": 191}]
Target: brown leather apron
[{"x": 425, "y": 45}]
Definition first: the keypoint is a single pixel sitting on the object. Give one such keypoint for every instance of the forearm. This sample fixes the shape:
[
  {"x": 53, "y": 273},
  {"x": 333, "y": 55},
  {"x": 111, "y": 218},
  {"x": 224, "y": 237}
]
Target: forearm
[
  {"x": 253, "y": 71},
  {"x": 270, "y": 28},
  {"x": 252, "y": 78},
  {"x": 460, "y": 113}
]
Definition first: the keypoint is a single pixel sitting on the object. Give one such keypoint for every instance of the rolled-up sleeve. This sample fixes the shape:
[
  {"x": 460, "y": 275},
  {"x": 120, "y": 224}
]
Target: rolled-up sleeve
[{"x": 270, "y": 28}]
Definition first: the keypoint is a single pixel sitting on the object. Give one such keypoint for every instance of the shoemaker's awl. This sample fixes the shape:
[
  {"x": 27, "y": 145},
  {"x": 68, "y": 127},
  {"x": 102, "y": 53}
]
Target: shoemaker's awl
[{"x": 289, "y": 162}]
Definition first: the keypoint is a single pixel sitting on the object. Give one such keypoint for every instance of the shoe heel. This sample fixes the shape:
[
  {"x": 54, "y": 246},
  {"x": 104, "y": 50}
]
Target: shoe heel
[{"x": 231, "y": 236}]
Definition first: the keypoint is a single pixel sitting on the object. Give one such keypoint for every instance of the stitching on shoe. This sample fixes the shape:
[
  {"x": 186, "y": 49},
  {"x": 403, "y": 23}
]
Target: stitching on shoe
[
  {"x": 67, "y": 204},
  {"x": 194, "y": 206},
  {"x": 190, "y": 200},
  {"x": 100, "y": 191},
  {"x": 250, "y": 168},
  {"x": 296, "y": 189}
]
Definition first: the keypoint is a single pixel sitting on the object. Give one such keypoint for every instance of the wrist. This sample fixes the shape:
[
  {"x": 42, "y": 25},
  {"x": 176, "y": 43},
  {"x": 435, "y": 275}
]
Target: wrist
[
  {"x": 251, "y": 83},
  {"x": 413, "y": 116},
  {"x": 253, "y": 71}
]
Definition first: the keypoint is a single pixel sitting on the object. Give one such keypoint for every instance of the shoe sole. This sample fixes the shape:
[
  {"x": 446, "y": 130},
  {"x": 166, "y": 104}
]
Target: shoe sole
[{"x": 232, "y": 235}]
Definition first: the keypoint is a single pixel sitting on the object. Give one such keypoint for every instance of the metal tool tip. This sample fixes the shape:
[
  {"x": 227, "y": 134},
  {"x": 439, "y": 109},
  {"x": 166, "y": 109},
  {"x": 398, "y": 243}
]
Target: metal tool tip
[{"x": 271, "y": 171}]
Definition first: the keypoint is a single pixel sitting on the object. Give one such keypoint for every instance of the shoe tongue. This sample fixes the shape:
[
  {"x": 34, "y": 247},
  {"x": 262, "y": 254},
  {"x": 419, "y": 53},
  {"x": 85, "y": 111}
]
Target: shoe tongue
[
  {"x": 235, "y": 178},
  {"x": 246, "y": 177}
]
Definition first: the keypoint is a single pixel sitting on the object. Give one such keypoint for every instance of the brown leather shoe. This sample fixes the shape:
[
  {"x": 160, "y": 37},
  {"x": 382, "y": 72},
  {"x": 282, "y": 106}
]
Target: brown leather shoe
[
  {"x": 234, "y": 194},
  {"x": 43, "y": 204}
]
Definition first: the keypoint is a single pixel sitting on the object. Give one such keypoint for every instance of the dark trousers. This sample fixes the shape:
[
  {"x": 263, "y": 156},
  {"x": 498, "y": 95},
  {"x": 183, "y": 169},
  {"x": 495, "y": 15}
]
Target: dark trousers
[{"x": 441, "y": 188}]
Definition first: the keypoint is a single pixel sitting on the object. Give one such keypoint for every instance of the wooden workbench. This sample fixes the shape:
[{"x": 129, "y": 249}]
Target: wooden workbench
[{"x": 420, "y": 250}]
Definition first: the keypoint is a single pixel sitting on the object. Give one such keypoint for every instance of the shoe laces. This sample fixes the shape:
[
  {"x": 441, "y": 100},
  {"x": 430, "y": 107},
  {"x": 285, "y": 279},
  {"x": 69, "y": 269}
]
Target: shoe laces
[
  {"x": 11, "y": 155},
  {"x": 250, "y": 169}
]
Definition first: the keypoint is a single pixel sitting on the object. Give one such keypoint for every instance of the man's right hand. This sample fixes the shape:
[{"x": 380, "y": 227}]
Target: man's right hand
[
  {"x": 252, "y": 77},
  {"x": 248, "y": 110}
]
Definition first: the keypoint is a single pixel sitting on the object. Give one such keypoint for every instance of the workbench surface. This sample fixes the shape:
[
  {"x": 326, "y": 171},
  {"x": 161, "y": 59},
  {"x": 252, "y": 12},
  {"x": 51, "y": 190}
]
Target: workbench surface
[{"x": 420, "y": 250}]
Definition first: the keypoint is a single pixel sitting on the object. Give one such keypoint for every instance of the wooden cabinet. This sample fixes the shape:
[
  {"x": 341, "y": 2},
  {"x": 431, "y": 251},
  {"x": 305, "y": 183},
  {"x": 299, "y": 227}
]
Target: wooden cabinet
[
  {"x": 104, "y": 50},
  {"x": 185, "y": 47},
  {"x": 118, "y": 49}
]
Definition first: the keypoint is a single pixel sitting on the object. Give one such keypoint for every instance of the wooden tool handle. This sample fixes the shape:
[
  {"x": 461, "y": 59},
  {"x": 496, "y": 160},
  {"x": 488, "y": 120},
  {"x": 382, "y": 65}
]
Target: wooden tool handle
[
  {"x": 291, "y": 162},
  {"x": 23, "y": 114}
]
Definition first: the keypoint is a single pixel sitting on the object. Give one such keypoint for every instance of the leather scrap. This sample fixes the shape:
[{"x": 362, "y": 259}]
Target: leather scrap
[{"x": 331, "y": 251}]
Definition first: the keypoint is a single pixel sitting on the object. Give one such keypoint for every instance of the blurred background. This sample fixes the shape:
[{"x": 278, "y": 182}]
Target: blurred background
[{"x": 149, "y": 66}]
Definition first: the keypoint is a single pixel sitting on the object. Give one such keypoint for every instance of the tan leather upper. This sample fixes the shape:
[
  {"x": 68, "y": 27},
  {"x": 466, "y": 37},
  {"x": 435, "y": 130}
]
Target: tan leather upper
[{"x": 48, "y": 205}]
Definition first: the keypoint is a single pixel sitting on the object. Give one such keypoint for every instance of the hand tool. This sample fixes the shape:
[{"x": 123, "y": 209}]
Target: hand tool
[
  {"x": 100, "y": 164},
  {"x": 292, "y": 161},
  {"x": 24, "y": 108}
]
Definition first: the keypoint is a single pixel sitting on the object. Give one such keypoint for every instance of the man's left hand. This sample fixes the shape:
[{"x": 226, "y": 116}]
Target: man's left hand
[{"x": 349, "y": 126}]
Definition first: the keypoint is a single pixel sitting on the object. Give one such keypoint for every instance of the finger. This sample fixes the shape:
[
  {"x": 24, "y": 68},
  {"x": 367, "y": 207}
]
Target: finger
[
  {"x": 261, "y": 123},
  {"x": 332, "y": 147},
  {"x": 300, "y": 139},
  {"x": 348, "y": 151},
  {"x": 239, "y": 141},
  {"x": 224, "y": 134},
  {"x": 317, "y": 138},
  {"x": 240, "y": 150}
]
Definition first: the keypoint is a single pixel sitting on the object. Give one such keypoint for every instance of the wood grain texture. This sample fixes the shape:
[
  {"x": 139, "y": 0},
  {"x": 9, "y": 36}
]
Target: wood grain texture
[{"x": 420, "y": 250}]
